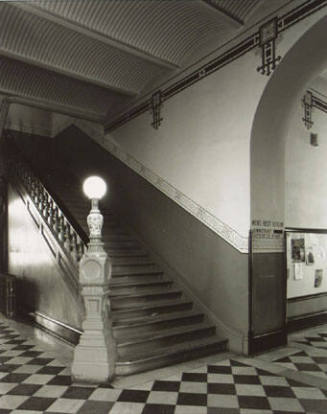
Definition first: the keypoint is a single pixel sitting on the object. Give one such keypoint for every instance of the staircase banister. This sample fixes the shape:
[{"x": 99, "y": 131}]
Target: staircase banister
[
  {"x": 13, "y": 148},
  {"x": 53, "y": 213}
]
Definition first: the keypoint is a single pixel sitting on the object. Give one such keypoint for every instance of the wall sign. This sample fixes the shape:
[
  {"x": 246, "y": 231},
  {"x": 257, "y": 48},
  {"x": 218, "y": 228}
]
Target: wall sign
[{"x": 267, "y": 235}]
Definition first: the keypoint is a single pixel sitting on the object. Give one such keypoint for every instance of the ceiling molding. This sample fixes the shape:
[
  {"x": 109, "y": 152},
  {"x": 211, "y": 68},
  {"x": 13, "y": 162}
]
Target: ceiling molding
[
  {"x": 91, "y": 33},
  {"x": 14, "y": 98},
  {"x": 65, "y": 72}
]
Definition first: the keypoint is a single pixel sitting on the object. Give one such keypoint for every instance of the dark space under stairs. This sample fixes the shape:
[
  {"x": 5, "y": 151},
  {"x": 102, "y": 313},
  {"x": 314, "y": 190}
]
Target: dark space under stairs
[{"x": 154, "y": 323}]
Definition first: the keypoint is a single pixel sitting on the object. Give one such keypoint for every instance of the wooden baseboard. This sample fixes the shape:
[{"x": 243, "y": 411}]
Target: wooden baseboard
[
  {"x": 297, "y": 323},
  {"x": 267, "y": 341}
]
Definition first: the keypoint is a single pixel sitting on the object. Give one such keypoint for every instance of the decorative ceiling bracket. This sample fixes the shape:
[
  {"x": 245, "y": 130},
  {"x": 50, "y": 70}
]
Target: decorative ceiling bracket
[
  {"x": 156, "y": 104},
  {"x": 310, "y": 101},
  {"x": 268, "y": 34}
]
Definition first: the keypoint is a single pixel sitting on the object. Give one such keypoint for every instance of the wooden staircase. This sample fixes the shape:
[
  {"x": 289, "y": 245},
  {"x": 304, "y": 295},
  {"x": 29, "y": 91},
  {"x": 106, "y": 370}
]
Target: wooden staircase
[{"x": 154, "y": 323}]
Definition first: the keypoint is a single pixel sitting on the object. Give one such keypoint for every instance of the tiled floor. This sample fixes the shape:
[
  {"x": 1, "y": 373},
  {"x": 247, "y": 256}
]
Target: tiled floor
[{"x": 35, "y": 377}]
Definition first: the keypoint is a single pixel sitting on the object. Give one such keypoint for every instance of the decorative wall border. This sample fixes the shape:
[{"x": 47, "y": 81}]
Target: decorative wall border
[
  {"x": 249, "y": 43},
  {"x": 223, "y": 230},
  {"x": 310, "y": 101}
]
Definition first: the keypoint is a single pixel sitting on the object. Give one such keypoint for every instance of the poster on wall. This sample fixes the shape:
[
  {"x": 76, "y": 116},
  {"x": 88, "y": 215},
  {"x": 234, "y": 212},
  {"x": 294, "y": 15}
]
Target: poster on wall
[
  {"x": 298, "y": 251},
  {"x": 319, "y": 274},
  {"x": 298, "y": 271}
]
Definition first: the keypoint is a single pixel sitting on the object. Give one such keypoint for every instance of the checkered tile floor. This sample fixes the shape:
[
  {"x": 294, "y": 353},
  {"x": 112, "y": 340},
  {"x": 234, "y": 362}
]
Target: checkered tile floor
[
  {"x": 306, "y": 361},
  {"x": 34, "y": 381},
  {"x": 318, "y": 341}
]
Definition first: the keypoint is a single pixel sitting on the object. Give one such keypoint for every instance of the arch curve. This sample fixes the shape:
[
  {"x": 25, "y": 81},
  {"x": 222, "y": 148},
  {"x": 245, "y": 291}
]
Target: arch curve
[{"x": 302, "y": 63}]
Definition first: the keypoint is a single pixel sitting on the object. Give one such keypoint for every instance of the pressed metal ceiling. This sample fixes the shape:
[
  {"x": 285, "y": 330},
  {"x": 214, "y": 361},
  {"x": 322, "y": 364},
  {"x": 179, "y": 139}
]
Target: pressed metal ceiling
[{"x": 97, "y": 56}]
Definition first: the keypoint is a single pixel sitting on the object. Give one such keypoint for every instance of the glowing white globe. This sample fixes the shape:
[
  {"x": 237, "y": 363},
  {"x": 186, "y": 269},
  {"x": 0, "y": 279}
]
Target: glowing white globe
[{"x": 94, "y": 187}]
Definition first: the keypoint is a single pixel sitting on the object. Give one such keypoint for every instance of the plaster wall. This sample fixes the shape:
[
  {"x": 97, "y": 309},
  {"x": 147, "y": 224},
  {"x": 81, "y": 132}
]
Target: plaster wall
[
  {"x": 29, "y": 120},
  {"x": 306, "y": 172},
  {"x": 203, "y": 145},
  {"x": 305, "y": 56},
  {"x": 41, "y": 286}
]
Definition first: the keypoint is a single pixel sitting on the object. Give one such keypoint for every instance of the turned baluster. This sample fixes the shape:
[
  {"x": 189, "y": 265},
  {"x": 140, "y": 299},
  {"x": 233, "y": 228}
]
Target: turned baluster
[
  {"x": 38, "y": 194},
  {"x": 61, "y": 229},
  {"x": 73, "y": 246},
  {"x": 80, "y": 248},
  {"x": 50, "y": 212},
  {"x": 46, "y": 202},
  {"x": 56, "y": 220},
  {"x": 67, "y": 242}
]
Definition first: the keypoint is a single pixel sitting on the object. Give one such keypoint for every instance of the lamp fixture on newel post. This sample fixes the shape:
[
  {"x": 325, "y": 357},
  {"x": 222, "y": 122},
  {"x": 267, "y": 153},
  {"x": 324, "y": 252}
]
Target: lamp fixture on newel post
[{"x": 94, "y": 356}]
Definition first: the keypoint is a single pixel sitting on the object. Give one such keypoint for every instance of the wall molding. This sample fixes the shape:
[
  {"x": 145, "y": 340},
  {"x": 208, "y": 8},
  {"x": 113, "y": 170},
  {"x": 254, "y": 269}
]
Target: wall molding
[
  {"x": 223, "y": 230},
  {"x": 247, "y": 44}
]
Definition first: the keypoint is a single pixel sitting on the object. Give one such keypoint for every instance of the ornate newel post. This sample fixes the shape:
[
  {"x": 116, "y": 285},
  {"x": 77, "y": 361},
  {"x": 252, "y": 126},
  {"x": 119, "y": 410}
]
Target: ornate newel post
[{"x": 94, "y": 356}]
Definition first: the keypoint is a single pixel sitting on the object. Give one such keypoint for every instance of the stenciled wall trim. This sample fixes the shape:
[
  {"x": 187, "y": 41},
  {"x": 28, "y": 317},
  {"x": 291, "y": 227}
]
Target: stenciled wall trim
[
  {"x": 262, "y": 38},
  {"x": 230, "y": 235},
  {"x": 310, "y": 101}
]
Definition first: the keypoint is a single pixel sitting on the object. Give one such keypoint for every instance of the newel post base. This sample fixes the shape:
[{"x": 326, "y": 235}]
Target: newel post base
[{"x": 94, "y": 356}]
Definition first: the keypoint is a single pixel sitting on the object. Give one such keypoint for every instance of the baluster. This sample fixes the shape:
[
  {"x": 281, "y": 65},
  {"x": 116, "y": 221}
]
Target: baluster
[
  {"x": 41, "y": 197},
  {"x": 56, "y": 220},
  {"x": 50, "y": 212},
  {"x": 80, "y": 248},
  {"x": 67, "y": 243},
  {"x": 74, "y": 246},
  {"x": 46, "y": 202},
  {"x": 61, "y": 230},
  {"x": 39, "y": 194}
]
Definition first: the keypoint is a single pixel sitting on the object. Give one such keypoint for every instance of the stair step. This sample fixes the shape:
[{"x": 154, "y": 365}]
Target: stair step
[
  {"x": 134, "y": 285},
  {"x": 121, "y": 276},
  {"x": 142, "y": 361},
  {"x": 165, "y": 337},
  {"x": 126, "y": 252},
  {"x": 120, "y": 301},
  {"x": 132, "y": 261},
  {"x": 122, "y": 245},
  {"x": 146, "y": 279},
  {"x": 135, "y": 270},
  {"x": 152, "y": 308},
  {"x": 152, "y": 323},
  {"x": 107, "y": 237}
]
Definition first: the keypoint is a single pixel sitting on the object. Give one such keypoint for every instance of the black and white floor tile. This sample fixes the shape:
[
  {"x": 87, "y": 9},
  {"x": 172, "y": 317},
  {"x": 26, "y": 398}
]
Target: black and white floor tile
[{"x": 33, "y": 380}]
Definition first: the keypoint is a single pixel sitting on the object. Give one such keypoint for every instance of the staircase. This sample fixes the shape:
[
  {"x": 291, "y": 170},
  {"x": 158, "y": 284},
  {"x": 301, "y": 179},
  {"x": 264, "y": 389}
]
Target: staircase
[{"x": 154, "y": 323}]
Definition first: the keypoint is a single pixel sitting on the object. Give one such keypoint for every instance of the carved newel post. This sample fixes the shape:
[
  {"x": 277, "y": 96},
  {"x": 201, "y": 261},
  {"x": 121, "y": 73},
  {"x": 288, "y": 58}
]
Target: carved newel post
[{"x": 94, "y": 356}]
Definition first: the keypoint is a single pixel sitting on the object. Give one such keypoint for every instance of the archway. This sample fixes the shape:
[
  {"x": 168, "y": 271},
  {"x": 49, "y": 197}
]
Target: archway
[{"x": 304, "y": 61}]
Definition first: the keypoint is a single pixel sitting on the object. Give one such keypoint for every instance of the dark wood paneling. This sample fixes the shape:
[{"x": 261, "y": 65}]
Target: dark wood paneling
[{"x": 268, "y": 301}]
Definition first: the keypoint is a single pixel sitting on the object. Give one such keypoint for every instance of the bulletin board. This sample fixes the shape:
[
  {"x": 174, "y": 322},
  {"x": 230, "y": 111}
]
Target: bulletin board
[{"x": 306, "y": 260}]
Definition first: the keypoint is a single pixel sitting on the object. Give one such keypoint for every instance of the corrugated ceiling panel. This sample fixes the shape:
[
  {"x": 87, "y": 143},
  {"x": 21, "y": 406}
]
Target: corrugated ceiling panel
[
  {"x": 41, "y": 40},
  {"x": 169, "y": 29},
  {"x": 29, "y": 81},
  {"x": 238, "y": 8}
]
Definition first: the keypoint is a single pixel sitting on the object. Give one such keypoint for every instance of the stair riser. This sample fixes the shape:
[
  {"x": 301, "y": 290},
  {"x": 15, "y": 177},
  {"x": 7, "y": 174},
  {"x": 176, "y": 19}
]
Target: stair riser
[
  {"x": 158, "y": 310},
  {"x": 133, "y": 289},
  {"x": 122, "y": 253},
  {"x": 138, "y": 278},
  {"x": 152, "y": 344},
  {"x": 128, "y": 369},
  {"x": 134, "y": 269},
  {"x": 122, "y": 303},
  {"x": 132, "y": 261},
  {"x": 120, "y": 333},
  {"x": 122, "y": 245}
]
